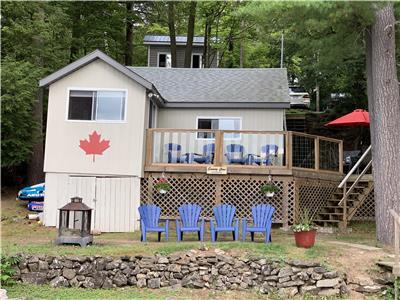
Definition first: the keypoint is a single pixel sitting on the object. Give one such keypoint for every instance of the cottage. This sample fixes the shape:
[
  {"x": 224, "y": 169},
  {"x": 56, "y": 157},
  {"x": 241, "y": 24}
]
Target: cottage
[{"x": 216, "y": 134}]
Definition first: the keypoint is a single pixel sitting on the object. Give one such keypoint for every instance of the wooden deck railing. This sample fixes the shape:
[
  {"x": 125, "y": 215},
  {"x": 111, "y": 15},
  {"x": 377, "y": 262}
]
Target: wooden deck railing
[{"x": 287, "y": 150}]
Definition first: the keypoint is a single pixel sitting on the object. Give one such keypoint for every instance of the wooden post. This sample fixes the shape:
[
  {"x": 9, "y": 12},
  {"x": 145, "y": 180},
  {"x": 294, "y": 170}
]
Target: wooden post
[
  {"x": 344, "y": 206},
  {"x": 219, "y": 148},
  {"x": 149, "y": 147},
  {"x": 341, "y": 157},
  {"x": 285, "y": 206},
  {"x": 316, "y": 146},
  {"x": 289, "y": 141},
  {"x": 218, "y": 190}
]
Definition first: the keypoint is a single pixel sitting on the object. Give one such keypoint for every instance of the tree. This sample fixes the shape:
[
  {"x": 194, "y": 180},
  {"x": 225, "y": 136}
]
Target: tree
[
  {"x": 384, "y": 107},
  {"x": 190, "y": 34},
  {"x": 172, "y": 33},
  {"x": 129, "y": 34}
]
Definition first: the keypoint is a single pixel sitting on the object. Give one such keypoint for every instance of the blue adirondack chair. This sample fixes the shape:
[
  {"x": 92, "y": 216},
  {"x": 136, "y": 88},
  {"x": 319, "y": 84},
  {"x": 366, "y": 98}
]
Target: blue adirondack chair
[
  {"x": 262, "y": 222},
  {"x": 224, "y": 221},
  {"x": 149, "y": 221},
  {"x": 174, "y": 153},
  {"x": 235, "y": 154},
  {"x": 208, "y": 155},
  {"x": 267, "y": 154},
  {"x": 189, "y": 221}
]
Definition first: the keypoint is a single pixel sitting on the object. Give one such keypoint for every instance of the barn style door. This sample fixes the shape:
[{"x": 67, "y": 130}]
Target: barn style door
[{"x": 111, "y": 198}]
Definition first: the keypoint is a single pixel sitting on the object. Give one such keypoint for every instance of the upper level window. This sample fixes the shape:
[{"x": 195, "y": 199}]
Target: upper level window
[
  {"x": 96, "y": 105},
  {"x": 196, "y": 61},
  {"x": 223, "y": 123},
  {"x": 164, "y": 60}
]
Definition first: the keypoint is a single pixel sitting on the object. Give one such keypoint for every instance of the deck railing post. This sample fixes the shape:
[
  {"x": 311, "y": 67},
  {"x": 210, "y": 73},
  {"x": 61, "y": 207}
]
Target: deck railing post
[
  {"x": 219, "y": 145},
  {"x": 316, "y": 147},
  {"x": 289, "y": 153},
  {"x": 341, "y": 157},
  {"x": 149, "y": 147}
]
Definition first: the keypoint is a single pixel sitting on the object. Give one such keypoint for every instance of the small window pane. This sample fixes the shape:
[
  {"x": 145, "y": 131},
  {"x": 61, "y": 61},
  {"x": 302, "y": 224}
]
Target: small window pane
[
  {"x": 110, "y": 105},
  {"x": 196, "y": 61},
  {"x": 162, "y": 60},
  {"x": 80, "y": 105}
]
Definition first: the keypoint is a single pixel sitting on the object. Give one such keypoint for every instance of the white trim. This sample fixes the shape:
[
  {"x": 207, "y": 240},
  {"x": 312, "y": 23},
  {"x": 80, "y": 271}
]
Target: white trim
[
  {"x": 158, "y": 59},
  {"x": 69, "y": 89},
  {"x": 200, "y": 61},
  {"x": 217, "y": 118}
]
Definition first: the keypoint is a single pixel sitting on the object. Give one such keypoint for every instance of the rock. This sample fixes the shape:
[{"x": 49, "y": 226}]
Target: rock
[
  {"x": 316, "y": 276},
  {"x": 34, "y": 278},
  {"x": 289, "y": 292},
  {"x": 43, "y": 266},
  {"x": 370, "y": 288},
  {"x": 69, "y": 273},
  {"x": 303, "y": 264},
  {"x": 174, "y": 268},
  {"x": 107, "y": 284},
  {"x": 284, "y": 279},
  {"x": 132, "y": 280},
  {"x": 327, "y": 283},
  {"x": 59, "y": 281},
  {"x": 154, "y": 283},
  {"x": 33, "y": 267},
  {"x": 163, "y": 260},
  {"x": 141, "y": 283},
  {"x": 330, "y": 275},
  {"x": 99, "y": 278},
  {"x": 53, "y": 273},
  {"x": 75, "y": 283},
  {"x": 284, "y": 272},
  {"x": 80, "y": 277},
  {"x": 68, "y": 264},
  {"x": 198, "y": 284},
  {"x": 3, "y": 294},
  {"x": 329, "y": 292},
  {"x": 85, "y": 269},
  {"x": 112, "y": 265},
  {"x": 319, "y": 270},
  {"x": 120, "y": 280},
  {"x": 309, "y": 289},
  {"x": 304, "y": 276},
  {"x": 271, "y": 278},
  {"x": 88, "y": 283},
  {"x": 290, "y": 284}
]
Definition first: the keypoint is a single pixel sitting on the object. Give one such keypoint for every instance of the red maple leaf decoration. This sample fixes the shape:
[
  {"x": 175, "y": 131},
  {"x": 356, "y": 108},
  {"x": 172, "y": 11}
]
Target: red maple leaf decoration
[{"x": 94, "y": 146}]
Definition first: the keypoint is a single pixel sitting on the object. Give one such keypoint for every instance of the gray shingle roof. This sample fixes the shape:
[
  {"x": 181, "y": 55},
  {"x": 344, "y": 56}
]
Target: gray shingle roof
[
  {"x": 165, "y": 40},
  {"x": 229, "y": 86}
]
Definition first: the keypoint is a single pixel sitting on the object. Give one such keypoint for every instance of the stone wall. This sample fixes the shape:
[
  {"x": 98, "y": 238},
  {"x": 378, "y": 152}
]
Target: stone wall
[{"x": 192, "y": 269}]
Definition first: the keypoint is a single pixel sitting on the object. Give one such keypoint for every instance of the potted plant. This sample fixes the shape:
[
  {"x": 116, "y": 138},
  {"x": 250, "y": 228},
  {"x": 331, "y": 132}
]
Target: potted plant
[
  {"x": 305, "y": 231},
  {"x": 269, "y": 189},
  {"x": 162, "y": 185}
]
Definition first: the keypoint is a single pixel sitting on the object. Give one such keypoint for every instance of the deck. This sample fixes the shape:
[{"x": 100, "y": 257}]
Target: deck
[{"x": 241, "y": 152}]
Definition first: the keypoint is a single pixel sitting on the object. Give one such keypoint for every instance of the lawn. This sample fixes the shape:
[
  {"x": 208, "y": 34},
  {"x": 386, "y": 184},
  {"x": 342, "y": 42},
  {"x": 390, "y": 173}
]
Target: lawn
[{"x": 18, "y": 234}]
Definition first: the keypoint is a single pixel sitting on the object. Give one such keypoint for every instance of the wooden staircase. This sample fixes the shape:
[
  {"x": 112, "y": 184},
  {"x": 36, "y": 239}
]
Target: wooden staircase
[
  {"x": 332, "y": 214},
  {"x": 348, "y": 198}
]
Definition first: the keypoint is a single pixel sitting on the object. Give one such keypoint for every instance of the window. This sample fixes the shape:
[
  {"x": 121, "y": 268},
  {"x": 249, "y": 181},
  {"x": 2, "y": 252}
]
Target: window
[
  {"x": 96, "y": 105},
  {"x": 216, "y": 123},
  {"x": 164, "y": 60},
  {"x": 196, "y": 61}
]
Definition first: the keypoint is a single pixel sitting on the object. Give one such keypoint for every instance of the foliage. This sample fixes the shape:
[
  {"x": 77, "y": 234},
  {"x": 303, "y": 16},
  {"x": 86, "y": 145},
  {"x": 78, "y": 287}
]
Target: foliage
[
  {"x": 269, "y": 188},
  {"x": 7, "y": 270},
  {"x": 306, "y": 223},
  {"x": 162, "y": 184}
]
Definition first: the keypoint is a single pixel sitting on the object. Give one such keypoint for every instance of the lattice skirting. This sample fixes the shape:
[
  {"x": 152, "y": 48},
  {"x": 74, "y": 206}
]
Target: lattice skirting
[
  {"x": 294, "y": 196},
  {"x": 313, "y": 195},
  {"x": 208, "y": 190},
  {"x": 367, "y": 211}
]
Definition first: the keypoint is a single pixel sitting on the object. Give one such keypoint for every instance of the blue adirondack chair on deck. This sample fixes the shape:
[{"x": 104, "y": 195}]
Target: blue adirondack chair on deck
[
  {"x": 149, "y": 221},
  {"x": 189, "y": 221},
  {"x": 224, "y": 214},
  {"x": 262, "y": 221}
]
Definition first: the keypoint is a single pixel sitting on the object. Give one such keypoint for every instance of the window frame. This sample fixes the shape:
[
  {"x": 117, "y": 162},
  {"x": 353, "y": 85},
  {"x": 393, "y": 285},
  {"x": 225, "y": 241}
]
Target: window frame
[
  {"x": 86, "y": 89},
  {"x": 158, "y": 59},
  {"x": 217, "y": 118}
]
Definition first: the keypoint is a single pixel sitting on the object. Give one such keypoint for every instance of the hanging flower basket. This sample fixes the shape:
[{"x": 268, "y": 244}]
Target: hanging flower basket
[
  {"x": 269, "y": 189},
  {"x": 162, "y": 185}
]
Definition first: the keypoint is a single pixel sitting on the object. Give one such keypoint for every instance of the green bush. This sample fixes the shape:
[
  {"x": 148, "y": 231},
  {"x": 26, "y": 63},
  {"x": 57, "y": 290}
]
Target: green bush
[{"x": 7, "y": 271}]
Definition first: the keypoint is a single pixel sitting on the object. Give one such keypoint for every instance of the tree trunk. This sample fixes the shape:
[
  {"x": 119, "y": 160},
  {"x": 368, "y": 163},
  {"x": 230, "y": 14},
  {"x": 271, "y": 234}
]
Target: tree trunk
[
  {"x": 384, "y": 106},
  {"x": 190, "y": 34},
  {"x": 129, "y": 34},
  {"x": 205, "y": 53},
  {"x": 35, "y": 166},
  {"x": 172, "y": 35}
]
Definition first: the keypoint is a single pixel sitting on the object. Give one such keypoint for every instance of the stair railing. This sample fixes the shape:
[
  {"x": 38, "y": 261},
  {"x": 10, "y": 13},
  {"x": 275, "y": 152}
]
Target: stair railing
[
  {"x": 343, "y": 183},
  {"x": 396, "y": 265}
]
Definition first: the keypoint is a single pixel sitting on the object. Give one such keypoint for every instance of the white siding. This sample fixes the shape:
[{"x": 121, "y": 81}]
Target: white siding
[
  {"x": 115, "y": 200},
  {"x": 125, "y": 154},
  {"x": 252, "y": 119}
]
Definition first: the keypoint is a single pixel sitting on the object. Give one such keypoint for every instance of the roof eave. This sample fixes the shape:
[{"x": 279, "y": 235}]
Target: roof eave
[
  {"x": 97, "y": 54},
  {"x": 168, "y": 44},
  {"x": 277, "y": 105}
]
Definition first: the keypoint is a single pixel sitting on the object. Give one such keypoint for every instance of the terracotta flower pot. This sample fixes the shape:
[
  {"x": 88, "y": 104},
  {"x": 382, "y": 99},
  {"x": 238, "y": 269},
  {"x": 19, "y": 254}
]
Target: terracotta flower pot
[{"x": 305, "y": 239}]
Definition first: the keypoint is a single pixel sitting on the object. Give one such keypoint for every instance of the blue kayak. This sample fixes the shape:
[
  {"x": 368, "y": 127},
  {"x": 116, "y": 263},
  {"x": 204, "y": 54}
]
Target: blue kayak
[{"x": 32, "y": 193}]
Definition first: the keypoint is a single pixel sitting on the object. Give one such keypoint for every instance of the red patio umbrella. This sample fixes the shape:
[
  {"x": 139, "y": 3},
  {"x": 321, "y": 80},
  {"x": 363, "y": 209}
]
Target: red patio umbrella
[{"x": 358, "y": 117}]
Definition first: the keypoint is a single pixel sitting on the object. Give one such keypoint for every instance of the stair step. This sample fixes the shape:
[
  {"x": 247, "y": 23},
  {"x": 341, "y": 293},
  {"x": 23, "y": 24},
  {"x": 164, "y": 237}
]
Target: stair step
[
  {"x": 330, "y": 213},
  {"x": 327, "y": 221}
]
